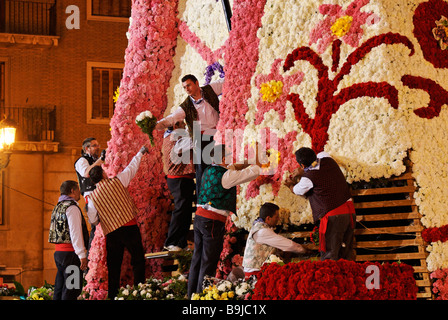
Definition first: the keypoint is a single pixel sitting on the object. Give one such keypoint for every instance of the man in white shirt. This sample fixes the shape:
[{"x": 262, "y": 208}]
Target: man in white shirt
[
  {"x": 200, "y": 110},
  {"x": 320, "y": 179},
  {"x": 68, "y": 231},
  {"x": 112, "y": 206},
  {"x": 263, "y": 241},
  {"x": 90, "y": 157}
]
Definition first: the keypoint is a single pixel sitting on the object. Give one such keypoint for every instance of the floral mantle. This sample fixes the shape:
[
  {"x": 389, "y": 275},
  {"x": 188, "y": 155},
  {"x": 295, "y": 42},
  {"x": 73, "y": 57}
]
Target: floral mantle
[{"x": 364, "y": 80}]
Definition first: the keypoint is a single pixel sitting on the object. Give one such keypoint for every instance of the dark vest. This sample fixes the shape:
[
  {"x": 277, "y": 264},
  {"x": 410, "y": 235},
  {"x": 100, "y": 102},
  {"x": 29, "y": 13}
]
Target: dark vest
[
  {"x": 330, "y": 189},
  {"x": 59, "y": 230},
  {"x": 191, "y": 114},
  {"x": 85, "y": 184},
  {"x": 213, "y": 193}
]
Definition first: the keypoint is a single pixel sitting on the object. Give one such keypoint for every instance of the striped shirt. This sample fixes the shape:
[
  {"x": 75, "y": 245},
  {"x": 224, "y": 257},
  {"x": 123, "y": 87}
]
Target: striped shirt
[{"x": 111, "y": 203}]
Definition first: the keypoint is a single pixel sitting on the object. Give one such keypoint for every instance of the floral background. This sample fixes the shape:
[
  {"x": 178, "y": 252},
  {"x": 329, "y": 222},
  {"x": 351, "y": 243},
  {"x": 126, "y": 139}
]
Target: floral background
[{"x": 364, "y": 80}]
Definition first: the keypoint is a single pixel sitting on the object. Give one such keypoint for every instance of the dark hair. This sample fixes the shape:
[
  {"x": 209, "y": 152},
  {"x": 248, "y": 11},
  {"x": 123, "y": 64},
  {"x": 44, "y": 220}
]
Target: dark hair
[
  {"x": 218, "y": 152},
  {"x": 189, "y": 77},
  {"x": 86, "y": 144},
  {"x": 268, "y": 209},
  {"x": 305, "y": 156},
  {"x": 67, "y": 187},
  {"x": 96, "y": 174}
]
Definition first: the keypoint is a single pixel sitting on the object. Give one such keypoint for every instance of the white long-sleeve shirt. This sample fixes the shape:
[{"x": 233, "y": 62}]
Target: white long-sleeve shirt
[
  {"x": 125, "y": 178},
  {"x": 232, "y": 178},
  {"x": 75, "y": 227},
  {"x": 305, "y": 184},
  {"x": 268, "y": 237},
  {"x": 207, "y": 115}
]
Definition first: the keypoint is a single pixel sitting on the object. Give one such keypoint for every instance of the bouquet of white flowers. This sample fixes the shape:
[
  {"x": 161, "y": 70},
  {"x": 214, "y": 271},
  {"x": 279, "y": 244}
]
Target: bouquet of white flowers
[{"x": 146, "y": 121}]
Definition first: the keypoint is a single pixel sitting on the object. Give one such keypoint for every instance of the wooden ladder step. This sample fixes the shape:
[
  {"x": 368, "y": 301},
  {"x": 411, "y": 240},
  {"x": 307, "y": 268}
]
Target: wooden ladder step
[
  {"x": 389, "y": 243},
  {"x": 384, "y": 204},
  {"x": 379, "y": 191},
  {"x": 388, "y": 216},
  {"x": 390, "y": 256},
  {"x": 389, "y": 230}
]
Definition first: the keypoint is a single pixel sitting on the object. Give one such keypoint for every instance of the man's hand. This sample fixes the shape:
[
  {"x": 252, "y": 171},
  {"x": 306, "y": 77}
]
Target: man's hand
[
  {"x": 83, "y": 265},
  {"x": 144, "y": 150}
]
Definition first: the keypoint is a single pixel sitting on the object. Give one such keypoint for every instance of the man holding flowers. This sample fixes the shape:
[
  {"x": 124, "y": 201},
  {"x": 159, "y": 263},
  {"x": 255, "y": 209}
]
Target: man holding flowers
[{"x": 201, "y": 112}]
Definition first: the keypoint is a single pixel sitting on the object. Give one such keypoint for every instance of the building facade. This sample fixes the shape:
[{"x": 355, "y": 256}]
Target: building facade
[{"x": 60, "y": 64}]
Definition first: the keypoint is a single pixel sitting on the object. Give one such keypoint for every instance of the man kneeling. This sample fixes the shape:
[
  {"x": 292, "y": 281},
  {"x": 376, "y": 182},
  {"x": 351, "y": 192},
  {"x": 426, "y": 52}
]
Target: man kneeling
[{"x": 263, "y": 241}]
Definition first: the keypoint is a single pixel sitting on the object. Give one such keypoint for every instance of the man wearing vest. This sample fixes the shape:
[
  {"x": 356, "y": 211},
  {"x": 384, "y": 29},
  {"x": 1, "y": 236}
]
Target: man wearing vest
[
  {"x": 323, "y": 183},
  {"x": 68, "y": 231},
  {"x": 90, "y": 157},
  {"x": 201, "y": 112},
  {"x": 179, "y": 170},
  {"x": 216, "y": 201},
  {"x": 111, "y": 205},
  {"x": 263, "y": 241}
]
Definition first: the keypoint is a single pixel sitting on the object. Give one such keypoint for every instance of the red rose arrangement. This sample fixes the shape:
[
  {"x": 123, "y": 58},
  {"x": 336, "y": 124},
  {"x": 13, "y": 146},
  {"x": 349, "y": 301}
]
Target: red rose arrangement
[
  {"x": 435, "y": 234},
  {"x": 334, "y": 280}
]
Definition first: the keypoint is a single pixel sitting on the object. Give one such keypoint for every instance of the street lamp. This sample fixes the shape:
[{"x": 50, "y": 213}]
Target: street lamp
[{"x": 7, "y": 137}]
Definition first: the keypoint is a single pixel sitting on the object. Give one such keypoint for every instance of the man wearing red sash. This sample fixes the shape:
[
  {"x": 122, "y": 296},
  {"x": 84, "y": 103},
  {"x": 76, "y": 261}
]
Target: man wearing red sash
[
  {"x": 320, "y": 179},
  {"x": 112, "y": 206}
]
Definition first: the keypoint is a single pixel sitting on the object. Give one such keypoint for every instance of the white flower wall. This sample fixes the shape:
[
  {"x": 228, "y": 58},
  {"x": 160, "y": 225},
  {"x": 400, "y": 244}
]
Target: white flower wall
[{"x": 390, "y": 91}]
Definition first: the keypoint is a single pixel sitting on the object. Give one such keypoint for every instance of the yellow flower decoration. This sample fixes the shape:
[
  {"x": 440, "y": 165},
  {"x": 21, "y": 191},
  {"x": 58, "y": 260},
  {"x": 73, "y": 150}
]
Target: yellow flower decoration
[
  {"x": 342, "y": 26},
  {"x": 116, "y": 94},
  {"x": 271, "y": 90}
]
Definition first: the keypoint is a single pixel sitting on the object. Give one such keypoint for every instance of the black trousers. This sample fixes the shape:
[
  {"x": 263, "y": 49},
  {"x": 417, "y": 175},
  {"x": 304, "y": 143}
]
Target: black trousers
[
  {"x": 339, "y": 238},
  {"x": 201, "y": 157},
  {"x": 208, "y": 243},
  {"x": 182, "y": 190},
  {"x": 68, "y": 282},
  {"x": 124, "y": 237}
]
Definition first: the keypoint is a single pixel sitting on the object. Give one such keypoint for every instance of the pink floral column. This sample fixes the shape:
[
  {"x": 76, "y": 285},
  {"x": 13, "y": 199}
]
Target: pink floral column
[{"x": 146, "y": 75}]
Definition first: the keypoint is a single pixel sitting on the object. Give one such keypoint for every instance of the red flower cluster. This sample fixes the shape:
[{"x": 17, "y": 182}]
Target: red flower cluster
[
  {"x": 334, "y": 280},
  {"x": 436, "y": 234},
  {"x": 327, "y": 102},
  {"x": 425, "y": 16}
]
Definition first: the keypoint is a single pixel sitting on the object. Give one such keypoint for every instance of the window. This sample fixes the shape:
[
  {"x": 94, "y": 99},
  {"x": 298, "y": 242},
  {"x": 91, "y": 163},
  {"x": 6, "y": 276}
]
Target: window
[
  {"x": 109, "y": 10},
  {"x": 103, "y": 79}
]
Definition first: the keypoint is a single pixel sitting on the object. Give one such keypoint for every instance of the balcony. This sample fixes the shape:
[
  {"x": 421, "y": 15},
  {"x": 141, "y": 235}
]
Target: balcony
[
  {"x": 28, "y": 23},
  {"x": 35, "y": 128}
]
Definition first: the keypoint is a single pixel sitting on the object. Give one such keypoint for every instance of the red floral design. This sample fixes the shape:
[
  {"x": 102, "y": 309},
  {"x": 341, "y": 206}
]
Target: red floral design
[
  {"x": 436, "y": 234},
  {"x": 328, "y": 103},
  {"x": 425, "y": 17},
  {"x": 334, "y": 280},
  {"x": 438, "y": 96}
]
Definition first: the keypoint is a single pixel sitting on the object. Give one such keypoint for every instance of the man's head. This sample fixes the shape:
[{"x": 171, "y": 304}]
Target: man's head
[
  {"x": 191, "y": 85},
  {"x": 70, "y": 188},
  {"x": 97, "y": 174},
  {"x": 91, "y": 146},
  {"x": 305, "y": 156},
  {"x": 269, "y": 212}
]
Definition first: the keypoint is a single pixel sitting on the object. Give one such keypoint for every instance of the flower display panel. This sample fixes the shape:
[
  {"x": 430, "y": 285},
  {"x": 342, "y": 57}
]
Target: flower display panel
[{"x": 364, "y": 80}]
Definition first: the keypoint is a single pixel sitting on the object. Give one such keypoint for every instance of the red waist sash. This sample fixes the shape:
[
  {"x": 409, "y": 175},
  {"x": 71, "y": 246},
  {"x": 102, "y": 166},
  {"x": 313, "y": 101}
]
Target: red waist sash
[
  {"x": 210, "y": 214},
  {"x": 347, "y": 208}
]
